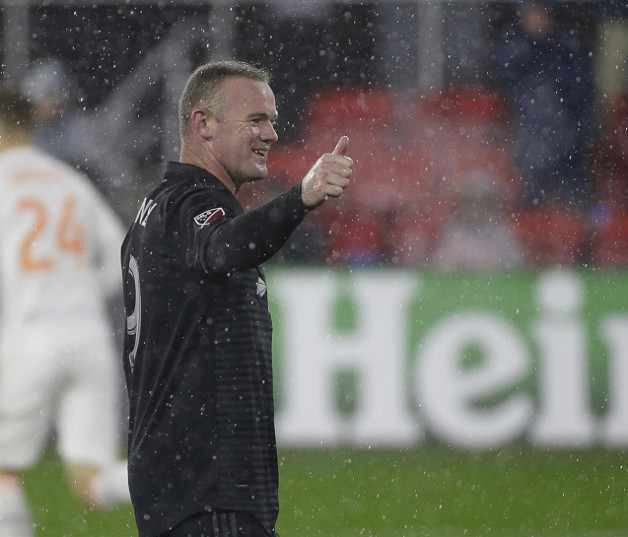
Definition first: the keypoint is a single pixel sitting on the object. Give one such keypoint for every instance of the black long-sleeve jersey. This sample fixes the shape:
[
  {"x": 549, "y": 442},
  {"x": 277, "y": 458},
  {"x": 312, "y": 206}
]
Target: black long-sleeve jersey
[{"x": 197, "y": 350}]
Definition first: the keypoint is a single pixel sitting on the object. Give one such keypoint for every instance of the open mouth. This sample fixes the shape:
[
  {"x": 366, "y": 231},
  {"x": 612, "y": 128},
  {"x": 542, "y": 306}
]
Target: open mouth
[{"x": 261, "y": 152}]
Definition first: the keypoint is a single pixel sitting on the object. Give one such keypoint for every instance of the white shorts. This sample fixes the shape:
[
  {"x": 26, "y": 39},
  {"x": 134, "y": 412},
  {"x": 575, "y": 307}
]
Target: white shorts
[{"x": 61, "y": 382}]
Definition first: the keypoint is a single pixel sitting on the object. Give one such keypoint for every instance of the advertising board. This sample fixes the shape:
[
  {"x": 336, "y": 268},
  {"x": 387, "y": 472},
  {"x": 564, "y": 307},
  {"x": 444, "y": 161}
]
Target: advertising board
[{"x": 398, "y": 358}]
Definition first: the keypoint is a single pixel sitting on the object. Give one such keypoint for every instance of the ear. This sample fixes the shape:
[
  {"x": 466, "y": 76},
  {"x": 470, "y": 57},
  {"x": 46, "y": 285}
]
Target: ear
[{"x": 203, "y": 123}]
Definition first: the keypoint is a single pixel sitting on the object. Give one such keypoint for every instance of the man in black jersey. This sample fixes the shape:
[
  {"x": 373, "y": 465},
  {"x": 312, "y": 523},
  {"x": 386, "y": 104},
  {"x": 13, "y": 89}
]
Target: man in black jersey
[{"x": 197, "y": 351}]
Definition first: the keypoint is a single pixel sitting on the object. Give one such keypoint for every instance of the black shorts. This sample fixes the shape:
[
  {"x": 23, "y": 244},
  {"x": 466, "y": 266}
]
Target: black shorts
[{"x": 219, "y": 524}]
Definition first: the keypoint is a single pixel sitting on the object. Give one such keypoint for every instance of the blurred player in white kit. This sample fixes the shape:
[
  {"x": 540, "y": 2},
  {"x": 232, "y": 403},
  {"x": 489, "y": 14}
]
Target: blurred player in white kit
[{"x": 59, "y": 260}]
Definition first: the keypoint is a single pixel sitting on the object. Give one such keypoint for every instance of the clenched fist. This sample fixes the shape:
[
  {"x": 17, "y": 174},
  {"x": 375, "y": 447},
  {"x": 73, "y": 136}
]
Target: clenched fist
[{"x": 328, "y": 177}]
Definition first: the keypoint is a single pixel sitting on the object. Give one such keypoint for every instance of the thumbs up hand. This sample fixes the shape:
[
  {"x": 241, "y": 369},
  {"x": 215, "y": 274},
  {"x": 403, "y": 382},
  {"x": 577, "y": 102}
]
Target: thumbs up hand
[
  {"x": 341, "y": 146},
  {"x": 328, "y": 177}
]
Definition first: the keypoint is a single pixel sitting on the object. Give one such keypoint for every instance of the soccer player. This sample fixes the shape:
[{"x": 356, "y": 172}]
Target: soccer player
[
  {"x": 59, "y": 245},
  {"x": 197, "y": 353}
]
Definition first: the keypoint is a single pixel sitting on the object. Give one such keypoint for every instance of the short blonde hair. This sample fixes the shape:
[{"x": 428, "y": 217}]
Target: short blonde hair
[{"x": 205, "y": 84}]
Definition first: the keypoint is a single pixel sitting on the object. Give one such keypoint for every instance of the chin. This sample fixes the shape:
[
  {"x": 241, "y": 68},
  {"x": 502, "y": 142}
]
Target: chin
[
  {"x": 253, "y": 174},
  {"x": 248, "y": 179},
  {"x": 258, "y": 175}
]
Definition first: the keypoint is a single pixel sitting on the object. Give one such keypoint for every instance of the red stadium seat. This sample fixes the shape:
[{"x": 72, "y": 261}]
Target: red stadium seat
[
  {"x": 551, "y": 236},
  {"x": 350, "y": 104},
  {"x": 289, "y": 163},
  {"x": 443, "y": 120},
  {"x": 366, "y": 114},
  {"x": 462, "y": 103},
  {"x": 382, "y": 178},
  {"x": 473, "y": 158},
  {"x": 461, "y": 130},
  {"x": 610, "y": 246},
  {"x": 356, "y": 236},
  {"x": 385, "y": 179}
]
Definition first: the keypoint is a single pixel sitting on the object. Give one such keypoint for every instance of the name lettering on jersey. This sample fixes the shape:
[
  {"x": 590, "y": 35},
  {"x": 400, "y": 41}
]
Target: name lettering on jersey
[
  {"x": 207, "y": 217},
  {"x": 36, "y": 174},
  {"x": 144, "y": 212}
]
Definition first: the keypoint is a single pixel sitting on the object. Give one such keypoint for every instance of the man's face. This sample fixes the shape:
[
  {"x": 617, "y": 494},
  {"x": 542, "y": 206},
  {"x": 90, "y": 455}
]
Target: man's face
[{"x": 245, "y": 129}]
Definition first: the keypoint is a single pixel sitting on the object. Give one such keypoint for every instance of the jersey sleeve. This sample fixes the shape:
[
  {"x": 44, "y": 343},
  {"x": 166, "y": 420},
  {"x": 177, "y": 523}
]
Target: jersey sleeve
[
  {"x": 221, "y": 241},
  {"x": 107, "y": 234}
]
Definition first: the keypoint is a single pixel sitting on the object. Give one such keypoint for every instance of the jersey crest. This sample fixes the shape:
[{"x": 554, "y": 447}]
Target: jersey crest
[
  {"x": 260, "y": 287},
  {"x": 207, "y": 217}
]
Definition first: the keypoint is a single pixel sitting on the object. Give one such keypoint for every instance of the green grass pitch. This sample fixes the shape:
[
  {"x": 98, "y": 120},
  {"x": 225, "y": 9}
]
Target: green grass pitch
[{"x": 426, "y": 492}]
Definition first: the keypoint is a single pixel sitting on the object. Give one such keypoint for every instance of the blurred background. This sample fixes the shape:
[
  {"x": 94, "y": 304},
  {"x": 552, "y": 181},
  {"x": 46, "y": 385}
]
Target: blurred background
[
  {"x": 507, "y": 116},
  {"x": 452, "y": 336}
]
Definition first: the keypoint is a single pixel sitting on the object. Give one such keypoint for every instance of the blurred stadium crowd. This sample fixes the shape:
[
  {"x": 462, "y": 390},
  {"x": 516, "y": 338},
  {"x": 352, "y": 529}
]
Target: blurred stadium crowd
[{"x": 524, "y": 166}]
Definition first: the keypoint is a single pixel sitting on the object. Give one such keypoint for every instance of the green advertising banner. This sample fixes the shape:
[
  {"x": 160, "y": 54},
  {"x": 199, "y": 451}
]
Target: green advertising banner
[{"x": 392, "y": 357}]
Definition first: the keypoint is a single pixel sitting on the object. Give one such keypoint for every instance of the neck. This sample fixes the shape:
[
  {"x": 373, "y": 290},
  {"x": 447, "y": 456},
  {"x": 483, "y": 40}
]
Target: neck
[{"x": 202, "y": 158}]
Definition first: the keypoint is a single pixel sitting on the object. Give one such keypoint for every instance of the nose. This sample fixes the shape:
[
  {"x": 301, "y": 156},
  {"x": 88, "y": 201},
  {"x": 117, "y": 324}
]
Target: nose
[{"x": 269, "y": 134}]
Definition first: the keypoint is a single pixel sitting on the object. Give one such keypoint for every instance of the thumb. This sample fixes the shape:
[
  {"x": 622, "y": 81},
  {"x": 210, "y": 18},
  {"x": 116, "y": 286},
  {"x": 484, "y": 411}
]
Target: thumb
[{"x": 341, "y": 146}]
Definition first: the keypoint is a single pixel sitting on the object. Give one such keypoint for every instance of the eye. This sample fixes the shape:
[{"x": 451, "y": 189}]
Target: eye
[{"x": 258, "y": 120}]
